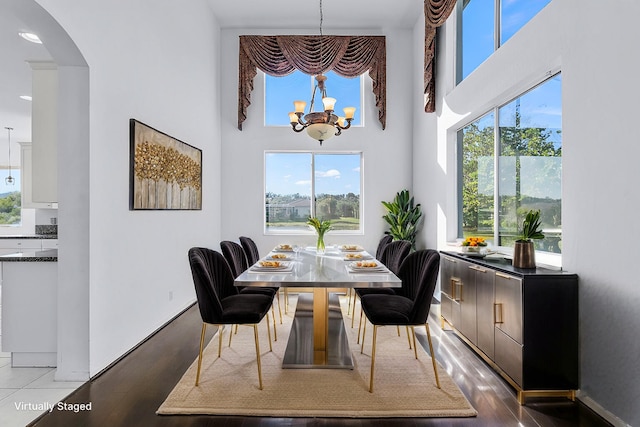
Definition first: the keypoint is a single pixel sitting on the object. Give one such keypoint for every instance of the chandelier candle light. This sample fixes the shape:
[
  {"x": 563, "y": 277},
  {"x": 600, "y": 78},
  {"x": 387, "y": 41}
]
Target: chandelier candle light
[{"x": 320, "y": 125}]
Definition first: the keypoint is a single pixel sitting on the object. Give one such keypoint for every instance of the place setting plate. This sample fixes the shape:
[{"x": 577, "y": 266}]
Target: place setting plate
[
  {"x": 357, "y": 256},
  {"x": 366, "y": 267},
  {"x": 283, "y": 248},
  {"x": 271, "y": 266},
  {"x": 280, "y": 256},
  {"x": 351, "y": 248}
]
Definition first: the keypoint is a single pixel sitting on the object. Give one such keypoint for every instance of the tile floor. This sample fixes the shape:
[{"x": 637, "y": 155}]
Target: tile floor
[{"x": 27, "y": 387}]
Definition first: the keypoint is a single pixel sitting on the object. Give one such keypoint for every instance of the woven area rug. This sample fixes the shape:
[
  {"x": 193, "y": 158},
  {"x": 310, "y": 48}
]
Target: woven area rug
[{"x": 403, "y": 386}]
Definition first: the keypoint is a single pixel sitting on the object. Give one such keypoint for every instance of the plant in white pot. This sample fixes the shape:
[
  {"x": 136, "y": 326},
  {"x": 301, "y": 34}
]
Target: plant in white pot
[{"x": 524, "y": 255}]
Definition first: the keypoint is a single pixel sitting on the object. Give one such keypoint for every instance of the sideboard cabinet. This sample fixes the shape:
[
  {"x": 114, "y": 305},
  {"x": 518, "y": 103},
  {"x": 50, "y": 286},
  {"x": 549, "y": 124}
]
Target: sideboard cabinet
[{"x": 523, "y": 322}]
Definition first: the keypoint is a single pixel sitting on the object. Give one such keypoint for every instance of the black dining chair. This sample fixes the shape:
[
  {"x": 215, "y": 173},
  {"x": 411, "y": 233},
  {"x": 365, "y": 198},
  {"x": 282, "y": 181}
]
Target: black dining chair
[
  {"x": 235, "y": 256},
  {"x": 391, "y": 255},
  {"x": 253, "y": 255},
  {"x": 419, "y": 273},
  {"x": 384, "y": 241},
  {"x": 220, "y": 303}
]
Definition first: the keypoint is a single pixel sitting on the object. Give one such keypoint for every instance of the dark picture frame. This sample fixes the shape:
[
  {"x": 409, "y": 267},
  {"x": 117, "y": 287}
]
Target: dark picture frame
[{"x": 164, "y": 172}]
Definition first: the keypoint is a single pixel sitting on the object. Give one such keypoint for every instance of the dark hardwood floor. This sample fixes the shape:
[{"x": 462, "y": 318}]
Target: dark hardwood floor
[{"x": 128, "y": 393}]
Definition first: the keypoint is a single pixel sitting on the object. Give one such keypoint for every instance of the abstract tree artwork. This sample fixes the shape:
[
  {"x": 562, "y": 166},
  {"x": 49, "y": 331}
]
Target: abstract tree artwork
[{"x": 165, "y": 173}]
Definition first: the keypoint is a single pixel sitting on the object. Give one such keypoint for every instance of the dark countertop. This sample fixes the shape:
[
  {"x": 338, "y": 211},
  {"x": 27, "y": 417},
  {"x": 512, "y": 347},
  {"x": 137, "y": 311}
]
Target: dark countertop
[
  {"x": 29, "y": 236},
  {"x": 49, "y": 255},
  {"x": 504, "y": 265}
]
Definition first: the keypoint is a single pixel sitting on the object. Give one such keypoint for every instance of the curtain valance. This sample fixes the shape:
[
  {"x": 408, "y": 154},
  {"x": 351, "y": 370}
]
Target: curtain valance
[
  {"x": 436, "y": 13},
  {"x": 348, "y": 56}
]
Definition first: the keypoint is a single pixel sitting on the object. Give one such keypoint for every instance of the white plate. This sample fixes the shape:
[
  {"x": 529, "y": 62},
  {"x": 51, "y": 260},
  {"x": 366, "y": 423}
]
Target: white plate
[
  {"x": 278, "y": 258},
  {"x": 351, "y": 248},
  {"x": 379, "y": 267},
  {"x": 280, "y": 248},
  {"x": 361, "y": 257}
]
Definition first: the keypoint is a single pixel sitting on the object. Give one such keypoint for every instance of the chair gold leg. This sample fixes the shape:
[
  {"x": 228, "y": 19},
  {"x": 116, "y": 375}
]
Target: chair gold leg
[
  {"x": 413, "y": 334},
  {"x": 275, "y": 333},
  {"x": 231, "y": 333},
  {"x": 255, "y": 335},
  {"x": 204, "y": 329},
  {"x": 286, "y": 301},
  {"x": 364, "y": 330},
  {"x": 348, "y": 296},
  {"x": 220, "y": 339},
  {"x": 269, "y": 333},
  {"x": 279, "y": 305},
  {"x": 359, "y": 326},
  {"x": 433, "y": 357},
  {"x": 373, "y": 357},
  {"x": 408, "y": 337},
  {"x": 398, "y": 327}
]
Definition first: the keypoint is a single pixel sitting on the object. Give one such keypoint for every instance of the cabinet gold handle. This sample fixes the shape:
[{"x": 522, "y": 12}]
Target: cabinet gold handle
[
  {"x": 497, "y": 313},
  {"x": 504, "y": 276},
  {"x": 455, "y": 284},
  {"x": 451, "y": 259},
  {"x": 478, "y": 269}
]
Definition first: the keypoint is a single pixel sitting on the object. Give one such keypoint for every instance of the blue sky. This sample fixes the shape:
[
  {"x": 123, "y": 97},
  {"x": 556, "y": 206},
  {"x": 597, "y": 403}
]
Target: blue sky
[
  {"x": 280, "y": 92},
  {"x": 290, "y": 173},
  {"x": 478, "y": 27}
]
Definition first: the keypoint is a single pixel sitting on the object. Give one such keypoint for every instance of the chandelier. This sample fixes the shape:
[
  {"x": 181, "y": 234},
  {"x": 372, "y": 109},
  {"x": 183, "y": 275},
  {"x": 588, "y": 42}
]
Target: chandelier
[
  {"x": 9, "y": 180},
  {"x": 320, "y": 125}
]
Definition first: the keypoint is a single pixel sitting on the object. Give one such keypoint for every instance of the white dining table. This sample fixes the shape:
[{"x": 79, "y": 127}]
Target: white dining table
[{"x": 318, "y": 337}]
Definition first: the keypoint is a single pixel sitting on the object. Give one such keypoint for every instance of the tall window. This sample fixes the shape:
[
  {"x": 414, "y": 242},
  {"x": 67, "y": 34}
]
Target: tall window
[
  {"x": 303, "y": 184},
  {"x": 10, "y": 199},
  {"x": 280, "y": 92},
  {"x": 483, "y": 30},
  {"x": 528, "y": 143}
]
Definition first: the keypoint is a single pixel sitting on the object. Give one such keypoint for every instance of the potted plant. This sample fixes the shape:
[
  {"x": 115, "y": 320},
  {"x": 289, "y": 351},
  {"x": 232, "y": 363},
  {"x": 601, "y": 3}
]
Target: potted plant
[
  {"x": 403, "y": 217},
  {"x": 524, "y": 251},
  {"x": 321, "y": 228}
]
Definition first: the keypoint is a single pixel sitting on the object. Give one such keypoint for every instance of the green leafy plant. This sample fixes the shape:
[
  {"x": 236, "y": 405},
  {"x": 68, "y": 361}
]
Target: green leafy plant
[
  {"x": 321, "y": 227},
  {"x": 403, "y": 217},
  {"x": 531, "y": 227}
]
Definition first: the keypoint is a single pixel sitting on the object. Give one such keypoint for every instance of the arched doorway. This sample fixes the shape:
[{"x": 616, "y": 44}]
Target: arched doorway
[{"x": 73, "y": 188}]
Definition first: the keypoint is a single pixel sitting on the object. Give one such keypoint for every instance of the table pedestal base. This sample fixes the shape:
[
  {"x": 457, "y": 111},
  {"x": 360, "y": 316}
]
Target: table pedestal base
[{"x": 301, "y": 351}]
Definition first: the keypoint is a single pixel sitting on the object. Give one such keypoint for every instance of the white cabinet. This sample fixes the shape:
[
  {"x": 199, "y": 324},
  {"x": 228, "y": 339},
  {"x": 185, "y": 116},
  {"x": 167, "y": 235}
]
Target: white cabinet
[
  {"x": 44, "y": 132},
  {"x": 27, "y": 174},
  {"x": 10, "y": 246}
]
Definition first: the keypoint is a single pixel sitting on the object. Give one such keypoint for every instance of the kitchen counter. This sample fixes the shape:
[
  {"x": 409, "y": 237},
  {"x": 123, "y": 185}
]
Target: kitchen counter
[
  {"x": 29, "y": 236},
  {"x": 49, "y": 255}
]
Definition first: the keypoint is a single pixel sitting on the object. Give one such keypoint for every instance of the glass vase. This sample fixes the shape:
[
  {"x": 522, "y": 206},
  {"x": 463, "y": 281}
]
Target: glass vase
[{"x": 320, "y": 244}]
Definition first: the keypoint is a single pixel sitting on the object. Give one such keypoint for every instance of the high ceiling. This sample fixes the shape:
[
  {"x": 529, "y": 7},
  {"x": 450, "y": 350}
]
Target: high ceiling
[
  {"x": 338, "y": 15},
  {"x": 15, "y": 80}
]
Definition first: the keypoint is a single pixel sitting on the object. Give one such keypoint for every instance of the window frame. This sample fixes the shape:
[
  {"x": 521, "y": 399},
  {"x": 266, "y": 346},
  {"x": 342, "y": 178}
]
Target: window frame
[
  {"x": 497, "y": 35},
  {"x": 549, "y": 258},
  {"x": 308, "y": 231}
]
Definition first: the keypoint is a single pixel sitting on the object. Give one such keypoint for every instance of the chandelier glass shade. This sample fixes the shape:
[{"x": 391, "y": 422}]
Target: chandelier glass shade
[{"x": 320, "y": 125}]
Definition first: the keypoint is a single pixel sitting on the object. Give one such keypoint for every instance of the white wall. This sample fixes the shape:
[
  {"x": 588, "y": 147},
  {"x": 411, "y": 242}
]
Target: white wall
[
  {"x": 156, "y": 62},
  {"x": 600, "y": 151},
  {"x": 387, "y": 154}
]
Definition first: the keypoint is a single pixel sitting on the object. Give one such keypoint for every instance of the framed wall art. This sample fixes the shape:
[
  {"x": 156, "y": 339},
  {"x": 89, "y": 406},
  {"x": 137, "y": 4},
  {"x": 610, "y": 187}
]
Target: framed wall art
[{"x": 165, "y": 173}]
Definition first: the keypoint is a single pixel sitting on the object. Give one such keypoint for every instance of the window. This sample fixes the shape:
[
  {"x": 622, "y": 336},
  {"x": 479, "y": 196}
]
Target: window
[
  {"x": 529, "y": 165},
  {"x": 10, "y": 199},
  {"x": 280, "y": 92},
  {"x": 483, "y": 31},
  {"x": 303, "y": 184}
]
